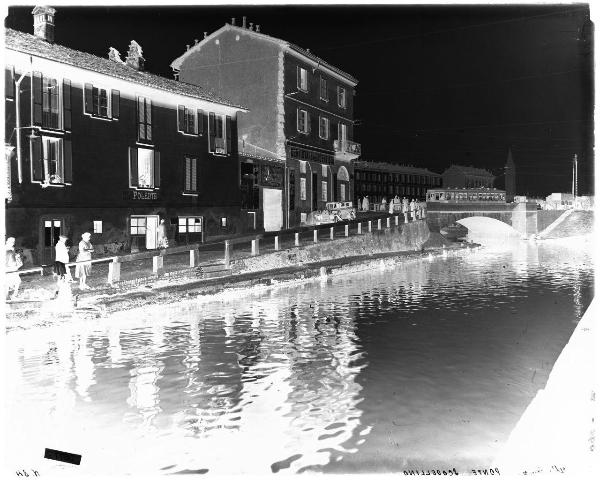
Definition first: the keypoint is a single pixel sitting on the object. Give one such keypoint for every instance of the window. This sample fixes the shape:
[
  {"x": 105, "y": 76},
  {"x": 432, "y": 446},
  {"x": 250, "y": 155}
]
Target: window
[
  {"x": 223, "y": 221},
  {"x": 101, "y": 102},
  {"x": 342, "y": 192},
  {"x": 138, "y": 226},
  {"x": 144, "y": 168},
  {"x": 302, "y": 121},
  {"x": 302, "y": 166},
  {"x": 302, "y": 188},
  {"x": 9, "y": 82},
  {"x": 292, "y": 189},
  {"x": 189, "y": 224},
  {"x": 190, "y": 121},
  {"x": 190, "y": 175},
  {"x": 302, "y": 216},
  {"x": 144, "y": 117},
  {"x": 342, "y": 131},
  {"x": 50, "y": 160},
  {"x": 97, "y": 227},
  {"x": 341, "y": 96},
  {"x": 53, "y": 160},
  {"x": 219, "y": 133},
  {"x": 323, "y": 127},
  {"x": 302, "y": 83},
  {"x": 323, "y": 191},
  {"x": 50, "y": 99},
  {"x": 323, "y": 90},
  {"x": 324, "y": 171}
]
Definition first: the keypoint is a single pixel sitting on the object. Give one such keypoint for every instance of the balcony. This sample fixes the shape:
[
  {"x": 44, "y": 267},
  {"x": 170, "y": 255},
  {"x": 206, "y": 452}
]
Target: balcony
[{"x": 346, "y": 150}]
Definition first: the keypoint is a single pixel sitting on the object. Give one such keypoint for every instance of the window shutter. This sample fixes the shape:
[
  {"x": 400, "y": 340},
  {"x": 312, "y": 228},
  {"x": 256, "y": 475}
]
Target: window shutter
[
  {"x": 181, "y": 118},
  {"x": 9, "y": 81},
  {"x": 115, "y": 102},
  {"x": 200, "y": 122},
  {"x": 187, "y": 174},
  {"x": 298, "y": 77},
  {"x": 89, "y": 104},
  {"x": 194, "y": 175},
  {"x": 68, "y": 161},
  {"x": 37, "y": 163},
  {"x": 156, "y": 169},
  {"x": 228, "y": 133},
  {"x": 133, "y": 167},
  {"x": 211, "y": 132},
  {"x": 67, "y": 104},
  {"x": 37, "y": 98},
  {"x": 308, "y": 122},
  {"x": 148, "y": 119}
]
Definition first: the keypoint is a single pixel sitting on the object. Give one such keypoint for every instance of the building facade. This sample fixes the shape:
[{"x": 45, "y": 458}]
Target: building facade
[
  {"x": 296, "y": 143},
  {"x": 379, "y": 179},
  {"x": 101, "y": 146},
  {"x": 461, "y": 176}
]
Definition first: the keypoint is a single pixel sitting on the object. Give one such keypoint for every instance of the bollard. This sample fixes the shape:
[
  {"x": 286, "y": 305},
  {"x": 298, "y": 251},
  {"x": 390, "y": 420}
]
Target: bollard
[
  {"x": 255, "y": 248},
  {"x": 346, "y": 230},
  {"x": 406, "y": 218},
  {"x": 360, "y": 228},
  {"x": 276, "y": 243},
  {"x": 227, "y": 257},
  {"x": 195, "y": 256},
  {"x": 323, "y": 272},
  {"x": 157, "y": 265},
  {"x": 379, "y": 224},
  {"x": 388, "y": 222},
  {"x": 331, "y": 233},
  {"x": 397, "y": 221},
  {"x": 114, "y": 271},
  {"x": 370, "y": 226},
  {"x": 297, "y": 239},
  {"x": 315, "y": 236}
]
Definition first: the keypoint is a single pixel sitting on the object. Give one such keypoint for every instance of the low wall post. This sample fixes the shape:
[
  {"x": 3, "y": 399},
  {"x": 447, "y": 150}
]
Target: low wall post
[
  {"x": 360, "y": 228},
  {"x": 331, "y": 233},
  {"x": 255, "y": 247},
  {"x": 227, "y": 256},
  {"x": 406, "y": 218},
  {"x": 157, "y": 265},
  {"x": 396, "y": 219},
  {"x": 276, "y": 243},
  {"x": 346, "y": 230},
  {"x": 194, "y": 257},
  {"x": 388, "y": 222},
  {"x": 315, "y": 236},
  {"x": 379, "y": 224},
  {"x": 114, "y": 271},
  {"x": 297, "y": 239},
  {"x": 370, "y": 226}
]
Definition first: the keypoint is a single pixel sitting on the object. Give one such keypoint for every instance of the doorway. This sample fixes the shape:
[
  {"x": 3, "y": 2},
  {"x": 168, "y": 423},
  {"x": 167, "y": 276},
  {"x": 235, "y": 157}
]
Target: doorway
[
  {"x": 273, "y": 209},
  {"x": 315, "y": 198},
  {"x": 51, "y": 230}
]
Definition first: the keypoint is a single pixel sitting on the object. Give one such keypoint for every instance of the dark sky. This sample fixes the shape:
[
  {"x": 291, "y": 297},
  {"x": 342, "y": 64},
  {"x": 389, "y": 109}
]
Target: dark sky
[{"x": 437, "y": 84}]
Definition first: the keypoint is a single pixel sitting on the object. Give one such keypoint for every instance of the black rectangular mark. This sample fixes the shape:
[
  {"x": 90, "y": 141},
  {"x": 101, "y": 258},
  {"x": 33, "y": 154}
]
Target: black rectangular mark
[{"x": 62, "y": 456}]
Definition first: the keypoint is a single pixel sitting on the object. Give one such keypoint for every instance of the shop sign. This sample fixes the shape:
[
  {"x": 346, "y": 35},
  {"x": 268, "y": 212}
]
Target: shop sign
[{"x": 139, "y": 195}]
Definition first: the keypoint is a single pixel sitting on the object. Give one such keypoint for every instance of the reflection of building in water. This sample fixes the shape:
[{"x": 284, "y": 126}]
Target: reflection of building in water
[{"x": 83, "y": 364}]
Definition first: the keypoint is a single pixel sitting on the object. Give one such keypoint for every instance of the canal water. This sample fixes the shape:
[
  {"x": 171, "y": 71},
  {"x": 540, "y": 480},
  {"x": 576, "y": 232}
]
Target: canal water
[{"x": 425, "y": 365}]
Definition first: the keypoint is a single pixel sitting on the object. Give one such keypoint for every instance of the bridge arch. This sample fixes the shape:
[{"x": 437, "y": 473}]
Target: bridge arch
[{"x": 486, "y": 228}]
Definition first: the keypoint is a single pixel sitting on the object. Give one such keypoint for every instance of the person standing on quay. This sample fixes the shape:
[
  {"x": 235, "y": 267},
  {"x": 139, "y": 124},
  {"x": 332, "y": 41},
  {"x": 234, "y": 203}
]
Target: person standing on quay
[
  {"x": 85, "y": 254},
  {"x": 61, "y": 258},
  {"x": 13, "y": 263},
  {"x": 163, "y": 241}
]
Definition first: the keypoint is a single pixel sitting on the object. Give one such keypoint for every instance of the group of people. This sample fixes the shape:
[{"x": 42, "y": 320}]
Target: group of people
[
  {"x": 82, "y": 270},
  {"x": 411, "y": 206}
]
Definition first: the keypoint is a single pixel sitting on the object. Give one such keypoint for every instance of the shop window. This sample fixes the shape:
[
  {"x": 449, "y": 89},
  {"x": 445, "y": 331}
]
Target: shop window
[
  {"x": 138, "y": 226},
  {"x": 97, "y": 227},
  {"x": 189, "y": 224}
]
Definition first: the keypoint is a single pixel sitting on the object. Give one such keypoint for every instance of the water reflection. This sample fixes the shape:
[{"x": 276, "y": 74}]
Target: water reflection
[{"x": 426, "y": 363}]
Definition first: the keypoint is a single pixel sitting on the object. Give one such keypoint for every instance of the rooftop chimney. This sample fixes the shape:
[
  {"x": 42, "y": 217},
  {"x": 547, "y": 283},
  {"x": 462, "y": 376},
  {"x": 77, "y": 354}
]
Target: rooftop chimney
[
  {"x": 232, "y": 20},
  {"x": 244, "y": 22},
  {"x": 135, "y": 59},
  {"x": 43, "y": 23},
  {"x": 251, "y": 26},
  {"x": 196, "y": 41},
  {"x": 205, "y": 34},
  {"x": 257, "y": 28},
  {"x": 187, "y": 47},
  {"x": 114, "y": 55}
]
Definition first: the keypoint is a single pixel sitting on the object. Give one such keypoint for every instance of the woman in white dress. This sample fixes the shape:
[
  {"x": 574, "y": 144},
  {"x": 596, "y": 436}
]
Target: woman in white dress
[{"x": 85, "y": 254}]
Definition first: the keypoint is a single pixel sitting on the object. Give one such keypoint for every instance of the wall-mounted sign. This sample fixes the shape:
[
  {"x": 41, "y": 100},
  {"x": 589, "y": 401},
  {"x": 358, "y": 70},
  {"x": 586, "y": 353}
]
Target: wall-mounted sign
[
  {"x": 271, "y": 175},
  {"x": 139, "y": 195}
]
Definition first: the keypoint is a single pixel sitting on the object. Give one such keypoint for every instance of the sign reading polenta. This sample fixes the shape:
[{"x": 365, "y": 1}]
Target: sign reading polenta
[{"x": 139, "y": 195}]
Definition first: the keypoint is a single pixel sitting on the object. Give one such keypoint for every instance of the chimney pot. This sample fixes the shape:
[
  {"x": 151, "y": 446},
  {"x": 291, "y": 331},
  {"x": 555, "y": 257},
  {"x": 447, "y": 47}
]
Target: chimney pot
[
  {"x": 187, "y": 47},
  {"x": 196, "y": 41},
  {"x": 257, "y": 28},
  {"x": 43, "y": 23},
  {"x": 135, "y": 58},
  {"x": 244, "y": 21},
  {"x": 232, "y": 20},
  {"x": 251, "y": 26},
  {"x": 205, "y": 34}
]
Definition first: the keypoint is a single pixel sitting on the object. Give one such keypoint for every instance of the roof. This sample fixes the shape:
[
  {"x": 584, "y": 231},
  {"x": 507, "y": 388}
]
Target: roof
[
  {"x": 30, "y": 44},
  {"x": 176, "y": 64},
  {"x": 392, "y": 167},
  {"x": 473, "y": 171},
  {"x": 467, "y": 189}
]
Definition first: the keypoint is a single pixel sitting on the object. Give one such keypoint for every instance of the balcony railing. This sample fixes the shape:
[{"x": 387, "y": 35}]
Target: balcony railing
[{"x": 346, "y": 149}]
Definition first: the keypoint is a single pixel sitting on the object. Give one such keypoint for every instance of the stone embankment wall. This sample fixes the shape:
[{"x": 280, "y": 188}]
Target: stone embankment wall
[{"x": 406, "y": 237}]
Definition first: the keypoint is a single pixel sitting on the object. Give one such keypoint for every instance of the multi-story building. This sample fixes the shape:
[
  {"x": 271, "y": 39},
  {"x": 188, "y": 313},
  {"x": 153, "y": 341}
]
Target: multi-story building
[
  {"x": 461, "y": 176},
  {"x": 296, "y": 142},
  {"x": 102, "y": 146},
  {"x": 380, "y": 179}
]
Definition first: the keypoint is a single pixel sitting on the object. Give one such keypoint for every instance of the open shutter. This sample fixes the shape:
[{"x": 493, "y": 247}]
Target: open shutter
[
  {"x": 156, "y": 169},
  {"x": 308, "y": 116},
  {"x": 9, "y": 81},
  {"x": 67, "y": 104},
  {"x": 37, "y": 98},
  {"x": 194, "y": 174},
  {"x": 37, "y": 163},
  {"x": 115, "y": 103},
  {"x": 200, "y": 122},
  {"x": 133, "y": 167},
  {"x": 148, "y": 120},
  {"x": 228, "y": 133},
  {"x": 68, "y": 161},
  {"x": 211, "y": 132},
  {"x": 181, "y": 118},
  {"x": 298, "y": 77},
  {"x": 89, "y": 103}
]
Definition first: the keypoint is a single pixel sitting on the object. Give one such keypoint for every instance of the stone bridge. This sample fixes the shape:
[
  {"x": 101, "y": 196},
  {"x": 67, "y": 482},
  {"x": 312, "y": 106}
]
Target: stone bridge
[{"x": 491, "y": 218}]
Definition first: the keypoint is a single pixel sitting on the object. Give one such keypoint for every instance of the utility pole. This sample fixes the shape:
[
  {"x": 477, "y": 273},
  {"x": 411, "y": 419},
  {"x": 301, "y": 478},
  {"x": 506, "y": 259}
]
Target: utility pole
[{"x": 574, "y": 182}]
